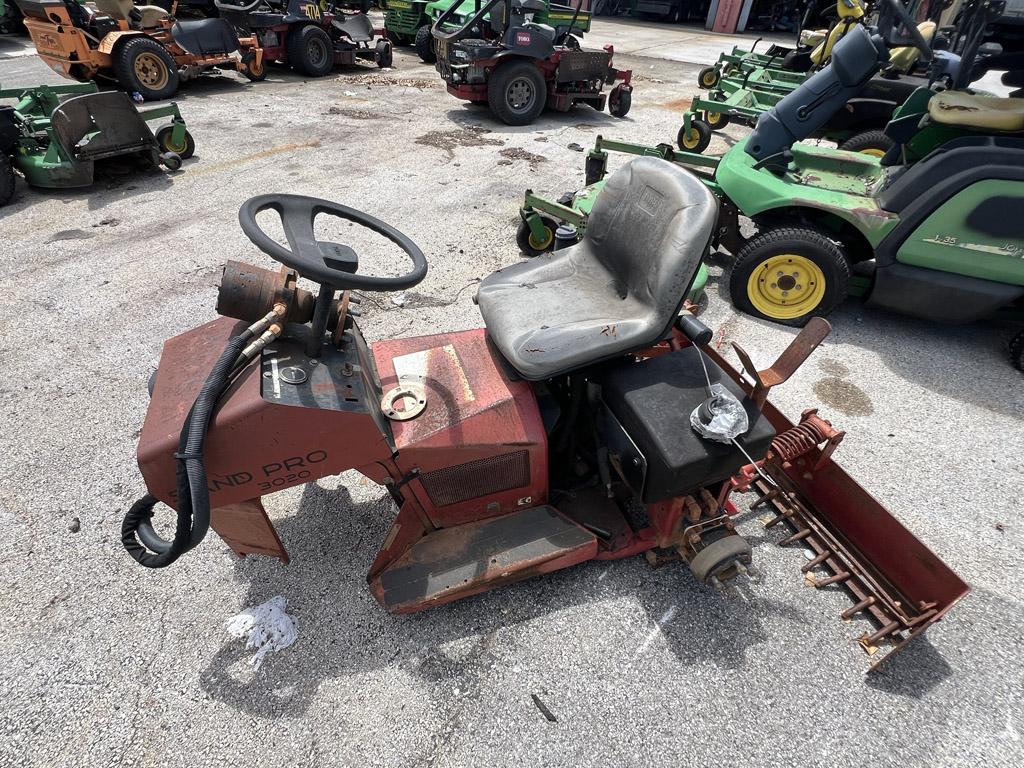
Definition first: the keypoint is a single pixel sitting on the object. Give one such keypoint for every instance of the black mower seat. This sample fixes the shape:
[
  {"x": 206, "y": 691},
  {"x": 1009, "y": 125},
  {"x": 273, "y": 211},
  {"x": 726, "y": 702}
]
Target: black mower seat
[
  {"x": 205, "y": 37},
  {"x": 616, "y": 291},
  {"x": 357, "y": 28}
]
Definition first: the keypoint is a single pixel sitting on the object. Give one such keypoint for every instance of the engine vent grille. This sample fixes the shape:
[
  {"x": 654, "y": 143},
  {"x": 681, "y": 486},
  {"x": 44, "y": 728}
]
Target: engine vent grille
[{"x": 473, "y": 479}]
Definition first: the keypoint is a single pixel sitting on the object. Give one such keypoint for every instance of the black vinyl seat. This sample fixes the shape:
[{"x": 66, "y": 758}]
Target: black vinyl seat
[
  {"x": 619, "y": 289},
  {"x": 205, "y": 37}
]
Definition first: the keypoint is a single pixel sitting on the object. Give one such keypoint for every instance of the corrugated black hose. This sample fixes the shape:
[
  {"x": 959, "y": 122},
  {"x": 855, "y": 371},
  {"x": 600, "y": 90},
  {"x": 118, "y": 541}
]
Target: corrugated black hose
[{"x": 139, "y": 538}]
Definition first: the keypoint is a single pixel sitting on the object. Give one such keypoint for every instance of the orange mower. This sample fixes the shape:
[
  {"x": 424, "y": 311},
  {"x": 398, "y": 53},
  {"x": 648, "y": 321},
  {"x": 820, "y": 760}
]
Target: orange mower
[{"x": 143, "y": 48}]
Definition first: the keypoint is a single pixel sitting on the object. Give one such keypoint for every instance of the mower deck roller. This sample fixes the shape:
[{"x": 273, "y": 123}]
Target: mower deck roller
[{"x": 509, "y": 452}]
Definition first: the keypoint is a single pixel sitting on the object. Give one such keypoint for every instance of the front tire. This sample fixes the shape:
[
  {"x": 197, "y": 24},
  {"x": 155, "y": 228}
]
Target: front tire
[
  {"x": 425, "y": 45},
  {"x": 789, "y": 275},
  {"x": 696, "y": 139},
  {"x": 310, "y": 51},
  {"x": 708, "y": 78},
  {"x": 532, "y": 247},
  {"x": 184, "y": 150},
  {"x": 517, "y": 93},
  {"x": 143, "y": 65},
  {"x": 384, "y": 54},
  {"x": 619, "y": 101},
  {"x": 874, "y": 143}
]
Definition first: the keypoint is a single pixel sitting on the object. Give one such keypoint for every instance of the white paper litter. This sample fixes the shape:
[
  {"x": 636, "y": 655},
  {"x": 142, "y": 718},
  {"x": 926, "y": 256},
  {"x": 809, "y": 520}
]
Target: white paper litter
[{"x": 267, "y": 627}]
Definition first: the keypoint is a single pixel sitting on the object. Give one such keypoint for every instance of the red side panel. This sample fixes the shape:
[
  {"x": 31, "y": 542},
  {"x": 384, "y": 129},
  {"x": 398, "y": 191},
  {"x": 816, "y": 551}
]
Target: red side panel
[
  {"x": 479, "y": 448},
  {"x": 254, "y": 446}
]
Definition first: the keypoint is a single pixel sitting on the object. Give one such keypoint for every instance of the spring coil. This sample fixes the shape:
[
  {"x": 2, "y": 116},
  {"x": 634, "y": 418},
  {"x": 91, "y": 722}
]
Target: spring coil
[{"x": 795, "y": 442}]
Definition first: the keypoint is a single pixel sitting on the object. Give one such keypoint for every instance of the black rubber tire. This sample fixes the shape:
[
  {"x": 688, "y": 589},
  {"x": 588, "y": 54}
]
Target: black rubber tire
[
  {"x": 871, "y": 142},
  {"x": 719, "y": 556},
  {"x": 716, "y": 120},
  {"x": 1016, "y": 350},
  {"x": 525, "y": 241},
  {"x": 424, "y": 43},
  {"x": 259, "y": 75},
  {"x": 163, "y": 140},
  {"x": 6, "y": 180},
  {"x": 810, "y": 243},
  {"x": 124, "y": 67},
  {"x": 703, "y": 136},
  {"x": 619, "y": 101},
  {"x": 310, "y": 51},
  {"x": 503, "y": 78},
  {"x": 708, "y": 78},
  {"x": 594, "y": 170},
  {"x": 384, "y": 54}
]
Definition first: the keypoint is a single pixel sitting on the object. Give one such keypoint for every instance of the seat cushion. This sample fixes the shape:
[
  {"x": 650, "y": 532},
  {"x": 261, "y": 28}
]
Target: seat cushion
[
  {"x": 987, "y": 113},
  {"x": 616, "y": 291}
]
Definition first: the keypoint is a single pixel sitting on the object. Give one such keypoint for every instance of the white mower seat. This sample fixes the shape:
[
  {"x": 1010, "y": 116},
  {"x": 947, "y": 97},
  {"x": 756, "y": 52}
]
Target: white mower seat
[{"x": 616, "y": 291}]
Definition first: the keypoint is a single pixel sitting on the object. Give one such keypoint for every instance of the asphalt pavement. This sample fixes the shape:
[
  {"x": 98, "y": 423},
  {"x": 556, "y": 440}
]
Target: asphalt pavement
[{"x": 103, "y": 663}]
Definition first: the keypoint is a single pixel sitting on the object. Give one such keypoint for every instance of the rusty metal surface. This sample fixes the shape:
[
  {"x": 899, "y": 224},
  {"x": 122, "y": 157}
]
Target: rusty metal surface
[
  {"x": 475, "y": 412},
  {"x": 453, "y": 563},
  {"x": 792, "y": 357},
  {"x": 247, "y": 530},
  {"x": 900, "y": 583},
  {"x": 248, "y": 293},
  {"x": 254, "y": 446}
]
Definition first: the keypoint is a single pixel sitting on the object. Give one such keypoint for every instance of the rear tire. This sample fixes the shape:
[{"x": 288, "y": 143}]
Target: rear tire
[
  {"x": 6, "y": 180},
  {"x": 143, "y": 65},
  {"x": 789, "y": 275},
  {"x": 874, "y": 143},
  {"x": 310, "y": 51},
  {"x": 697, "y": 139},
  {"x": 424, "y": 43},
  {"x": 517, "y": 93},
  {"x": 531, "y": 247}
]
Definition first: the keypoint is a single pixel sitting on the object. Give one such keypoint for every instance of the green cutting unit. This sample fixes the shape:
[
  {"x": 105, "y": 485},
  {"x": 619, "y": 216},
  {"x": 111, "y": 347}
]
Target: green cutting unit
[
  {"x": 926, "y": 231},
  {"x": 54, "y": 144},
  {"x": 408, "y": 22}
]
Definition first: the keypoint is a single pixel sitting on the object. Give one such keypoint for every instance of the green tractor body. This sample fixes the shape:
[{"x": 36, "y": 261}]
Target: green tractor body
[{"x": 55, "y": 143}]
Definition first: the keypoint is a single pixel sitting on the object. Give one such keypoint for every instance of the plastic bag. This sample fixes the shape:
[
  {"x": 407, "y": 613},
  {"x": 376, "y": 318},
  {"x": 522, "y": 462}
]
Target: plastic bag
[{"x": 721, "y": 417}]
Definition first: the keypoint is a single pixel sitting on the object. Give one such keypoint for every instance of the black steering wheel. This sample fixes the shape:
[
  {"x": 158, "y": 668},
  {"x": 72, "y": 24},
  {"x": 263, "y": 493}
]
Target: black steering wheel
[{"x": 330, "y": 264}]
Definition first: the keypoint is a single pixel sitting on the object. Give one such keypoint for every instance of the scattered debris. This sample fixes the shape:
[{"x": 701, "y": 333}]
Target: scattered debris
[
  {"x": 575, "y": 147},
  {"x": 473, "y": 136},
  {"x": 518, "y": 153},
  {"x": 548, "y": 714},
  {"x": 267, "y": 627},
  {"x": 398, "y": 299},
  {"x": 355, "y": 114},
  {"x": 1000, "y": 527},
  {"x": 107, "y": 223},
  {"x": 76, "y": 525},
  {"x": 376, "y": 79}
]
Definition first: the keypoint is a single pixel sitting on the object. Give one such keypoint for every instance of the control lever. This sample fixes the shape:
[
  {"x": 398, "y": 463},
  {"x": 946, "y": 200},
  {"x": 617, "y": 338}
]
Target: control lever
[{"x": 789, "y": 361}]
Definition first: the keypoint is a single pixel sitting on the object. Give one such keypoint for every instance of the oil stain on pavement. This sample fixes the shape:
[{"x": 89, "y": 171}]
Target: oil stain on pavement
[{"x": 835, "y": 391}]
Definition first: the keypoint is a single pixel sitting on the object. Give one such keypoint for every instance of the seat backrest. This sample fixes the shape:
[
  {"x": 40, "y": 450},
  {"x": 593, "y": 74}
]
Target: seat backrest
[
  {"x": 650, "y": 227},
  {"x": 115, "y": 9}
]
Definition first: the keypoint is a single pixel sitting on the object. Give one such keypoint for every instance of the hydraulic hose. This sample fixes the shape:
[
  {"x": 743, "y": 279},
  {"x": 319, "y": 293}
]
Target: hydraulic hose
[{"x": 139, "y": 538}]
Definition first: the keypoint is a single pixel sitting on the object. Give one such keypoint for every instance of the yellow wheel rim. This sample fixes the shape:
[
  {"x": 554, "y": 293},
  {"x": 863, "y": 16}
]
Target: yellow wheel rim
[
  {"x": 170, "y": 146},
  {"x": 691, "y": 139},
  {"x": 786, "y": 286},
  {"x": 873, "y": 152},
  {"x": 151, "y": 71},
  {"x": 544, "y": 242},
  {"x": 709, "y": 79},
  {"x": 713, "y": 118}
]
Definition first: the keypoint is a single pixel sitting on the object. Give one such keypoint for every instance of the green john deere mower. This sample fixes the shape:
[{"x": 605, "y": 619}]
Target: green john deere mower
[
  {"x": 55, "y": 144},
  {"x": 929, "y": 230}
]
